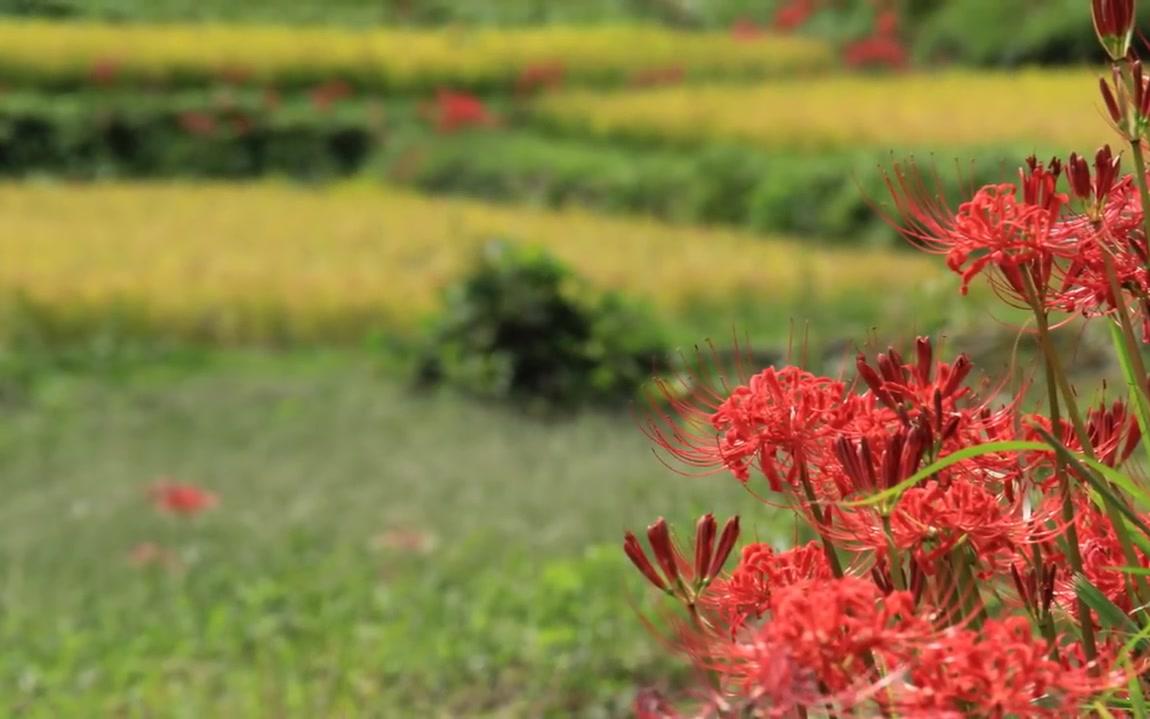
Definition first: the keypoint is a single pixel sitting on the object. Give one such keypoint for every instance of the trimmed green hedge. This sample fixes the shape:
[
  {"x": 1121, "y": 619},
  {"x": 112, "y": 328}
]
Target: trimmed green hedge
[
  {"x": 221, "y": 134},
  {"x": 828, "y": 195}
]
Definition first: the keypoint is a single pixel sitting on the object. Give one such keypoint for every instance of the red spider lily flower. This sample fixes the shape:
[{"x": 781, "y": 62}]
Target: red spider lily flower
[
  {"x": 1102, "y": 556},
  {"x": 994, "y": 229},
  {"x": 831, "y": 627},
  {"x": 455, "y": 111},
  {"x": 886, "y": 23},
  {"x": 104, "y": 71},
  {"x": 876, "y": 51},
  {"x": 747, "y": 593},
  {"x": 930, "y": 521},
  {"x": 541, "y": 76},
  {"x": 329, "y": 93},
  {"x": 999, "y": 671},
  {"x": 779, "y": 412},
  {"x": 746, "y": 30},
  {"x": 182, "y": 499},
  {"x": 775, "y": 412},
  {"x": 1114, "y": 25},
  {"x": 793, "y": 15},
  {"x": 198, "y": 123}
]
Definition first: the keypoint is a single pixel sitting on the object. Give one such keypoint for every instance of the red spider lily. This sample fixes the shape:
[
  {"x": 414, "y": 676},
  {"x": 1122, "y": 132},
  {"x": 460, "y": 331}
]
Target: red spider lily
[
  {"x": 1001, "y": 670},
  {"x": 679, "y": 577},
  {"x": 454, "y": 111},
  {"x": 1019, "y": 238},
  {"x": 329, "y": 93},
  {"x": 747, "y": 593},
  {"x": 541, "y": 76},
  {"x": 746, "y": 30},
  {"x": 182, "y": 499},
  {"x": 1114, "y": 24},
  {"x": 830, "y": 628},
  {"x": 198, "y": 123},
  {"x": 930, "y": 521},
  {"x": 876, "y": 51},
  {"x": 783, "y": 412},
  {"x": 886, "y": 23},
  {"x": 104, "y": 71},
  {"x": 1102, "y": 556},
  {"x": 1113, "y": 432},
  {"x": 793, "y": 14}
]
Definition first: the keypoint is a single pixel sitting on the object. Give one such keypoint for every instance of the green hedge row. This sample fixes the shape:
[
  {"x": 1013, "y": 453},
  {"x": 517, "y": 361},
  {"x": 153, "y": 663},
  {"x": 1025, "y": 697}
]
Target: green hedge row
[
  {"x": 827, "y": 195},
  {"x": 224, "y": 134}
]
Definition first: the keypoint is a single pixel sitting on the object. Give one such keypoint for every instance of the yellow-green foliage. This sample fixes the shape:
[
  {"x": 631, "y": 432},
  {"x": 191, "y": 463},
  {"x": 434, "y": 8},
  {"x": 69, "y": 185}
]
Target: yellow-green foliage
[
  {"x": 1036, "y": 108},
  {"x": 237, "y": 263},
  {"x": 402, "y": 59}
]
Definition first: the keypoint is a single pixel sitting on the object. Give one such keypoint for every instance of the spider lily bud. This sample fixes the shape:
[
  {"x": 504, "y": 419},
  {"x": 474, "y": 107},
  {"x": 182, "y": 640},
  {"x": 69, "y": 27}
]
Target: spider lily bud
[
  {"x": 1114, "y": 24},
  {"x": 659, "y": 536},
  {"x": 638, "y": 557},
  {"x": 1093, "y": 190},
  {"x": 726, "y": 544},
  {"x": 704, "y": 546}
]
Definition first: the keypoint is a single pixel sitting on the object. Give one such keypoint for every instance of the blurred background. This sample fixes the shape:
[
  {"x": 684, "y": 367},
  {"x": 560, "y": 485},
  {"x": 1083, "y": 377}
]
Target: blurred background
[{"x": 326, "y": 326}]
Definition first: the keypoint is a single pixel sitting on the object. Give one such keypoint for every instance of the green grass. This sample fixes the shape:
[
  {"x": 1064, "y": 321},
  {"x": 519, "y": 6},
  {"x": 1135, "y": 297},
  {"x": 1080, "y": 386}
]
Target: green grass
[{"x": 292, "y": 602}]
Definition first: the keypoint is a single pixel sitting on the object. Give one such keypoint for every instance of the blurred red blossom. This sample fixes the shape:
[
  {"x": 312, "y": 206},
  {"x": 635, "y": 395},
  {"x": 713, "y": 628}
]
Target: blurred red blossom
[
  {"x": 453, "y": 111},
  {"x": 181, "y": 499}
]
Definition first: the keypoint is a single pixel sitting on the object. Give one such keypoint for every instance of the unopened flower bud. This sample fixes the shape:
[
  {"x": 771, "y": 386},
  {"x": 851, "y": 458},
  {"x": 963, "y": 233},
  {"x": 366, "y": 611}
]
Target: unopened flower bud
[
  {"x": 1114, "y": 24},
  {"x": 659, "y": 535},
  {"x": 726, "y": 544},
  {"x": 704, "y": 545},
  {"x": 638, "y": 557}
]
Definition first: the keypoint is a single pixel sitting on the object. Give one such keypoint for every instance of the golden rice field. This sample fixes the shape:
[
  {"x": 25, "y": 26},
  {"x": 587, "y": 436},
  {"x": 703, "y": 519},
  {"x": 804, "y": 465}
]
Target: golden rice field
[
  {"x": 48, "y": 53},
  {"x": 1035, "y": 108},
  {"x": 266, "y": 262}
]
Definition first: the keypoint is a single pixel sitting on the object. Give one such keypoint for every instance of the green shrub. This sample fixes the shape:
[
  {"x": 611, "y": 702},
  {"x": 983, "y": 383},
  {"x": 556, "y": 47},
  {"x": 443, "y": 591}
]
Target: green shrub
[{"x": 522, "y": 326}]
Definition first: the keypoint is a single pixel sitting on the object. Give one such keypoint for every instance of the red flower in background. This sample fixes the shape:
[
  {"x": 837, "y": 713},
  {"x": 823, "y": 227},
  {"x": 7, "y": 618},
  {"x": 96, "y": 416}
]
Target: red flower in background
[
  {"x": 181, "y": 499},
  {"x": 104, "y": 71},
  {"x": 454, "y": 111},
  {"x": 793, "y": 15},
  {"x": 876, "y": 51},
  {"x": 198, "y": 123},
  {"x": 541, "y": 76},
  {"x": 746, "y": 30},
  {"x": 325, "y": 95}
]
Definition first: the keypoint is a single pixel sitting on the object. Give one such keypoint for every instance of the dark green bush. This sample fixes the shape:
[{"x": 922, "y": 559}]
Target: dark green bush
[
  {"x": 522, "y": 326},
  {"x": 216, "y": 134}
]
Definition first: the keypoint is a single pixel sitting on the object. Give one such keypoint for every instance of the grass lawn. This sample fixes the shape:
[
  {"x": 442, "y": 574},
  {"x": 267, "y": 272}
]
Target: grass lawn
[{"x": 374, "y": 552}]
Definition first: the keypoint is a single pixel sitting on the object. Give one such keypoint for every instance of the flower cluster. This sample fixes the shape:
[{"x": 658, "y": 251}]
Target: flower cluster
[{"x": 968, "y": 556}]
